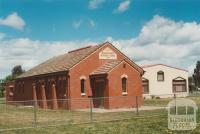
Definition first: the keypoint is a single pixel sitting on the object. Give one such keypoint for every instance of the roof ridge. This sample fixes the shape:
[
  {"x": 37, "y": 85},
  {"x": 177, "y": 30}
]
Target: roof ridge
[
  {"x": 152, "y": 65},
  {"x": 63, "y": 62},
  {"x": 78, "y": 49},
  {"x": 66, "y": 61}
]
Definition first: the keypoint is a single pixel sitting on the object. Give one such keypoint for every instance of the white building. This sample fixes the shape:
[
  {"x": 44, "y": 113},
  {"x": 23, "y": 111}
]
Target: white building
[{"x": 164, "y": 81}]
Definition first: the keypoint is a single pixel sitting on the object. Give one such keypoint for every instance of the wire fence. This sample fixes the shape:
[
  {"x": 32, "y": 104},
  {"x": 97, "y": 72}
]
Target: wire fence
[{"x": 30, "y": 114}]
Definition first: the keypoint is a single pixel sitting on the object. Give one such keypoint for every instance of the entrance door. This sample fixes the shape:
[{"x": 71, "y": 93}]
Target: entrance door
[{"x": 99, "y": 93}]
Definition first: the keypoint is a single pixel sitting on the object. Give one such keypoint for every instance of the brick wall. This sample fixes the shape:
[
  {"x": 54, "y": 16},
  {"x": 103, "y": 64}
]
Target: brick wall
[
  {"x": 84, "y": 68},
  {"x": 93, "y": 62}
]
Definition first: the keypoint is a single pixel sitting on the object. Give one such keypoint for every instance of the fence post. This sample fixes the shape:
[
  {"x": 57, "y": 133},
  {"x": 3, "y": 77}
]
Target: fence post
[
  {"x": 137, "y": 110},
  {"x": 91, "y": 116},
  {"x": 35, "y": 113},
  {"x": 5, "y": 102},
  {"x": 175, "y": 103}
]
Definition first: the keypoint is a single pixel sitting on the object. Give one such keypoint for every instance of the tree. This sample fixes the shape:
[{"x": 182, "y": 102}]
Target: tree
[
  {"x": 3, "y": 84},
  {"x": 1, "y": 87},
  {"x": 17, "y": 70},
  {"x": 192, "y": 87},
  {"x": 196, "y": 75}
]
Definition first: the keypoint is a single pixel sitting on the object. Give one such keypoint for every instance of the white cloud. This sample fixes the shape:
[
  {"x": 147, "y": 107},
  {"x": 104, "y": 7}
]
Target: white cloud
[
  {"x": 94, "y": 4},
  {"x": 77, "y": 24},
  {"x": 29, "y": 53},
  {"x": 2, "y": 35},
  {"x": 163, "y": 40},
  {"x": 92, "y": 23},
  {"x": 123, "y": 6},
  {"x": 109, "y": 39},
  {"x": 13, "y": 20}
]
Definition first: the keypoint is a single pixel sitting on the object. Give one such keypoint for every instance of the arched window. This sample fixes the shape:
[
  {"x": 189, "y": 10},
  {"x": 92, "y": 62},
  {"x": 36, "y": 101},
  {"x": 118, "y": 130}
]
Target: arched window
[
  {"x": 160, "y": 76},
  {"x": 179, "y": 85},
  {"x": 83, "y": 86},
  {"x": 11, "y": 91},
  {"x": 124, "y": 85}
]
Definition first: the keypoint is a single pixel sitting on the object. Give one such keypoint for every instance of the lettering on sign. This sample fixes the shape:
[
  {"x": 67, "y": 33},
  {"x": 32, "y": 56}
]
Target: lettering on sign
[{"x": 107, "y": 53}]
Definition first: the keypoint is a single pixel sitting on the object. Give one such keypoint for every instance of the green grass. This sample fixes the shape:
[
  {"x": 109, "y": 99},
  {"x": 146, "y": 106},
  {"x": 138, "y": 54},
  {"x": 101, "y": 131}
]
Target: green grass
[
  {"x": 153, "y": 125},
  {"x": 17, "y": 117},
  {"x": 2, "y": 99},
  {"x": 77, "y": 122},
  {"x": 165, "y": 101}
]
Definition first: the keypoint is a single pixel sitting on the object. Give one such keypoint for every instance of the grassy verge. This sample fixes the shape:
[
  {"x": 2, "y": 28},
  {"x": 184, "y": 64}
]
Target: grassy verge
[
  {"x": 2, "y": 99},
  {"x": 76, "y": 122},
  {"x": 165, "y": 101},
  {"x": 18, "y": 117},
  {"x": 153, "y": 125}
]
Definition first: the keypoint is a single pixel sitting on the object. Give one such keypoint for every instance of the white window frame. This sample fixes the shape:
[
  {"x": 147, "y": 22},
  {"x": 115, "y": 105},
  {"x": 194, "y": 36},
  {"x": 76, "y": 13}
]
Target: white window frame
[
  {"x": 83, "y": 78},
  {"x": 126, "y": 77}
]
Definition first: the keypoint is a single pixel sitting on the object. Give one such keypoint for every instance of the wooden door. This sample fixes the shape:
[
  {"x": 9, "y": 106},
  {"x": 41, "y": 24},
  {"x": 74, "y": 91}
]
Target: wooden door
[{"x": 99, "y": 93}]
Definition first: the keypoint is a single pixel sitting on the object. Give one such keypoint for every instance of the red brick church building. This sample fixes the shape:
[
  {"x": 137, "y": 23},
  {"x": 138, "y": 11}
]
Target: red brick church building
[{"x": 71, "y": 79}]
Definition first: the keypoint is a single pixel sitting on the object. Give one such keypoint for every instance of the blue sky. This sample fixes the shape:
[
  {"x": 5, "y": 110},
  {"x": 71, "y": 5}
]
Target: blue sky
[
  {"x": 56, "y": 17},
  {"x": 148, "y": 31}
]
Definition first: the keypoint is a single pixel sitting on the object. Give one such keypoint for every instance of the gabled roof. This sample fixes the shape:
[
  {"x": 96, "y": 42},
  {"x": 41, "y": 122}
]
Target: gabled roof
[
  {"x": 61, "y": 63},
  {"x": 152, "y": 65},
  {"x": 107, "y": 67},
  {"x": 133, "y": 64},
  {"x": 68, "y": 60}
]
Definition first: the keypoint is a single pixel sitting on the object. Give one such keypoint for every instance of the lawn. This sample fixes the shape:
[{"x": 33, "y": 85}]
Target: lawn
[
  {"x": 18, "y": 117},
  {"x": 165, "y": 101},
  {"x": 153, "y": 125},
  {"x": 2, "y": 99},
  {"x": 75, "y": 122}
]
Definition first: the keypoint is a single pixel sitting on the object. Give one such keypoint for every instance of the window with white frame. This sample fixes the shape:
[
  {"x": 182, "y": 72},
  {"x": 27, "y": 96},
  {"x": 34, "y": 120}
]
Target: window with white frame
[
  {"x": 83, "y": 85},
  {"x": 124, "y": 85}
]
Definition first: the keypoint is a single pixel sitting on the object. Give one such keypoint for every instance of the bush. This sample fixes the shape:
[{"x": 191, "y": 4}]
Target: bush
[
  {"x": 153, "y": 96},
  {"x": 2, "y": 88},
  {"x": 192, "y": 88},
  {"x": 157, "y": 97}
]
